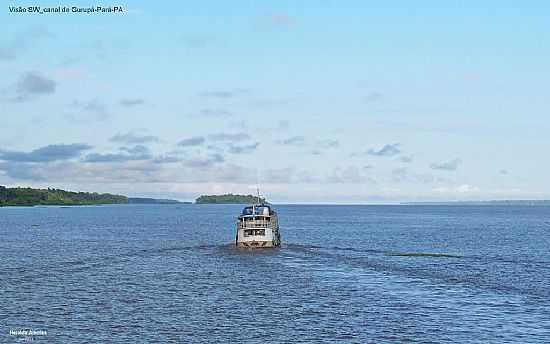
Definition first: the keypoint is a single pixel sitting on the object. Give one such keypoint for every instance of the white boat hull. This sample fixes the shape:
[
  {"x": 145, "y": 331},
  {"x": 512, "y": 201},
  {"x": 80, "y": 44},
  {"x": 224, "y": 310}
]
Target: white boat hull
[
  {"x": 270, "y": 238},
  {"x": 257, "y": 244}
]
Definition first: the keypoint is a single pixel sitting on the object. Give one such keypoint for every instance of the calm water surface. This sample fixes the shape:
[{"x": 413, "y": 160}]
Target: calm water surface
[{"x": 170, "y": 274}]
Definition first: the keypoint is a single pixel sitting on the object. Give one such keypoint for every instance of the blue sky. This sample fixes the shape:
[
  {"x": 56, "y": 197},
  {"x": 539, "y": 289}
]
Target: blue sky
[{"x": 319, "y": 101}]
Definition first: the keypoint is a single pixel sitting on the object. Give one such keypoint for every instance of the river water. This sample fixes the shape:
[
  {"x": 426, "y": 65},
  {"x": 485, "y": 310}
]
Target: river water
[{"x": 345, "y": 274}]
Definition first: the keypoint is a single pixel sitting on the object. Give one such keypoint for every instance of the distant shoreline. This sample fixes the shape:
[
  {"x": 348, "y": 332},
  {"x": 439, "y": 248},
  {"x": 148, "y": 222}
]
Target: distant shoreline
[
  {"x": 486, "y": 203},
  {"x": 229, "y": 199},
  {"x": 32, "y": 197},
  {"x": 29, "y": 197}
]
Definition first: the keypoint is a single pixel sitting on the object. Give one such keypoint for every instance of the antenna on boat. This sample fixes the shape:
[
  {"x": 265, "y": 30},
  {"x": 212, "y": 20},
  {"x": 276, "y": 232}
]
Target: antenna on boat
[{"x": 258, "y": 185}]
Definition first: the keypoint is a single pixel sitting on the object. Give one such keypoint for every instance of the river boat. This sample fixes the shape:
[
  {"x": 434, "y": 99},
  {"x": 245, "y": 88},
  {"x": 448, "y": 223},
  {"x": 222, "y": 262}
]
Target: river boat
[{"x": 258, "y": 227}]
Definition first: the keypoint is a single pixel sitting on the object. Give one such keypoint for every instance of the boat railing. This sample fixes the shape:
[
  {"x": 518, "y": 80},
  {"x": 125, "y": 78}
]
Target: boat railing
[{"x": 257, "y": 223}]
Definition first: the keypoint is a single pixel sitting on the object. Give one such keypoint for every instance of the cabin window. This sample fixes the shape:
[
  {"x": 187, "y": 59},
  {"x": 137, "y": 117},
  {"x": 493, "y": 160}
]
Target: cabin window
[
  {"x": 257, "y": 210},
  {"x": 252, "y": 232}
]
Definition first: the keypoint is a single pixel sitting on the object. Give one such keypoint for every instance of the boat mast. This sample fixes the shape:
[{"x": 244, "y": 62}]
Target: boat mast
[{"x": 258, "y": 185}]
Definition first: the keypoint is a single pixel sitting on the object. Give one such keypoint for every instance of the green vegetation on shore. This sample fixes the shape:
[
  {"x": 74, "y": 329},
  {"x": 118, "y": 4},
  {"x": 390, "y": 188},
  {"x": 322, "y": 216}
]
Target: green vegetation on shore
[
  {"x": 228, "y": 199},
  {"x": 30, "y": 197}
]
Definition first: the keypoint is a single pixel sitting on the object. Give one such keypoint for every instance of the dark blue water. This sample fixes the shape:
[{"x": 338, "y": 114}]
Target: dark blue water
[{"x": 169, "y": 274}]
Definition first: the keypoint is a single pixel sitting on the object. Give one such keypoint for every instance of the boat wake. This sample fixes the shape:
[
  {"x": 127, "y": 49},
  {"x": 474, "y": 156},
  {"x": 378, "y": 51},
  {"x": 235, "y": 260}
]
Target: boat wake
[{"x": 437, "y": 268}]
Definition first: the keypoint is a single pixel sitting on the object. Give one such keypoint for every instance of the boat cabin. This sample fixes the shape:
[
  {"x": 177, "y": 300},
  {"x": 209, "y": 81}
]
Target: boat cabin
[
  {"x": 257, "y": 210},
  {"x": 255, "y": 217}
]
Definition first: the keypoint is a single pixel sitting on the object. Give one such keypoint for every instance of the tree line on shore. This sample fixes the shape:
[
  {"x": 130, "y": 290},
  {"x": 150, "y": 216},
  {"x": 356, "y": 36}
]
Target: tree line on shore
[
  {"x": 20, "y": 196},
  {"x": 29, "y": 197}
]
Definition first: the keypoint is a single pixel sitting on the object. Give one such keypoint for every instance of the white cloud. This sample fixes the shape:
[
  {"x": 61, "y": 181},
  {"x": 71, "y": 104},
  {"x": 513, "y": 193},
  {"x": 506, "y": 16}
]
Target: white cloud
[{"x": 461, "y": 189}]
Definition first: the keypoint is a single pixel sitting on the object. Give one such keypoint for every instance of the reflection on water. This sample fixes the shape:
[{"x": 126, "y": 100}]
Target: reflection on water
[{"x": 126, "y": 274}]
